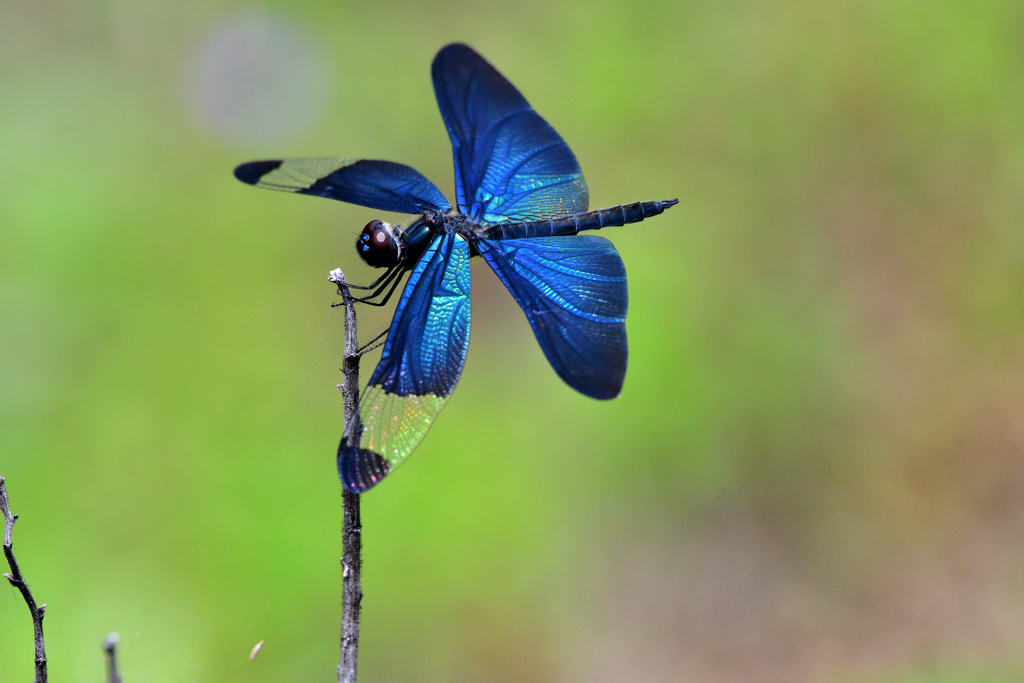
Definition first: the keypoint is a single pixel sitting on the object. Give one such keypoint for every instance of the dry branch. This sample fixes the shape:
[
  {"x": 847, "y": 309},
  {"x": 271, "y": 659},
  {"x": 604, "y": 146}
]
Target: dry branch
[
  {"x": 18, "y": 581},
  {"x": 110, "y": 647},
  {"x": 351, "y": 561}
]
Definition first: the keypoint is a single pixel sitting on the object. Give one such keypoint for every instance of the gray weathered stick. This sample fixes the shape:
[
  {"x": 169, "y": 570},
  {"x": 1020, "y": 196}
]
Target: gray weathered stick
[
  {"x": 110, "y": 647},
  {"x": 351, "y": 561},
  {"x": 18, "y": 581}
]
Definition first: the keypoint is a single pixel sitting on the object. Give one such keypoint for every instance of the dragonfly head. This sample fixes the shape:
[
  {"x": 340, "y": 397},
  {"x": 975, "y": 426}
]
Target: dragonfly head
[{"x": 380, "y": 245}]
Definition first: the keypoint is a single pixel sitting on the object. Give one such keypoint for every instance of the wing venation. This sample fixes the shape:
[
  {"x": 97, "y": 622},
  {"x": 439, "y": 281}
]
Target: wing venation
[
  {"x": 510, "y": 164},
  {"x": 382, "y": 185},
  {"x": 419, "y": 367},
  {"x": 573, "y": 292}
]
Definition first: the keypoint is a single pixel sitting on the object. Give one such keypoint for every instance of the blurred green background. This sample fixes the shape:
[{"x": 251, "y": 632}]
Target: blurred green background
[{"x": 814, "y": 472}]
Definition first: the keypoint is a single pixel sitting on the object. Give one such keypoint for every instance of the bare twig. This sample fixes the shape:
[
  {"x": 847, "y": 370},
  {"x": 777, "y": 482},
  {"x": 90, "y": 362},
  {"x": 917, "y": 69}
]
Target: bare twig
[
  {"x": 351, "y": 561},
  {"x": 18, "y": 581},
  {"x": 110, "y": 647}
]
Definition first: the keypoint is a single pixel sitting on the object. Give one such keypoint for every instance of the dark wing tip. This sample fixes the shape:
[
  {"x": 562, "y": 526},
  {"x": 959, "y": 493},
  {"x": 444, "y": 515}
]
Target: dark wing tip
[
  {"x": 669, "y": 202},
  {"x": 360, "y": 469},
  {"x": 604, "y": 384},
  {"x": 252, "y": 171},
  {"x": 453, "y": 48},
  {"x": 454, "y": 52},
  {"x": 604, "y": 391}
]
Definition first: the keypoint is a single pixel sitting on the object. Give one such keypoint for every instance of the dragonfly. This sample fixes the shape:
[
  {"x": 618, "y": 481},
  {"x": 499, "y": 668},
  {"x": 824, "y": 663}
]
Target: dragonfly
[{"x": 520, "y": 204}]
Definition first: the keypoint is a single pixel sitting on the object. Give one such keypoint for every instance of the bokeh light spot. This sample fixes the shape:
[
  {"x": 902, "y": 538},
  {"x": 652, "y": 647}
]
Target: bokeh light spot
[{"x": 257, "y": 80}]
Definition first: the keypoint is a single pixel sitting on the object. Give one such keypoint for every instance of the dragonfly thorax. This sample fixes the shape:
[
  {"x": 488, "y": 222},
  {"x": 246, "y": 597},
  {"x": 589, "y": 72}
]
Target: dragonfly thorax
[{"x": 380, "y": 245}]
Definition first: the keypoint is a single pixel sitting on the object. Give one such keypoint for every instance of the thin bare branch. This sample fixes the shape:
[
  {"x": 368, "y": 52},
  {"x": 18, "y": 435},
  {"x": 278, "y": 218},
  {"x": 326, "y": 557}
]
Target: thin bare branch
[
  {"x": 18, "y": 581},
  {"x": 351, "y": 561},
  {"x": 110, "y": 647}
]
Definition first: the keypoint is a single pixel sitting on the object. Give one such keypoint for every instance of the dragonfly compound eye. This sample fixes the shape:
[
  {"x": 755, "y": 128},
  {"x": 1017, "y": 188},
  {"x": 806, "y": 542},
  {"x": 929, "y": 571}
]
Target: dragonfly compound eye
[{"x": 379, "y": 245}]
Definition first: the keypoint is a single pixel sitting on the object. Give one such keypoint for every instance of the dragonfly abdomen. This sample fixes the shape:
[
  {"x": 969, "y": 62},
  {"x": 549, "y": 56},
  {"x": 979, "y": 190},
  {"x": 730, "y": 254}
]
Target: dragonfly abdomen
[{"x": 570, "y": 225}]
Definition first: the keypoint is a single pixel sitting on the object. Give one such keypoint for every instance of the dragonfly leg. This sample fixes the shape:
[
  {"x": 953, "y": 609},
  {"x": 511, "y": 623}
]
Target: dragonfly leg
[
  {"x": 391, "y": 280},
  {"x": 365, "y": 348},
  {"x": 368, "y": 300},
  {"x": 387, "y": 274}
]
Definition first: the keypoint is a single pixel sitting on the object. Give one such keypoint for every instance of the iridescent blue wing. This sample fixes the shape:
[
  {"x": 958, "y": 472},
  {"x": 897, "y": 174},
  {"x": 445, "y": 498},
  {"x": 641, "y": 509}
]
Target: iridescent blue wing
[
  {"x": 382, "y": 185},
  {"x": 573, "y": 291},
  {"x": 510, "y": 165},
  {"x": 417, "y": 372}
]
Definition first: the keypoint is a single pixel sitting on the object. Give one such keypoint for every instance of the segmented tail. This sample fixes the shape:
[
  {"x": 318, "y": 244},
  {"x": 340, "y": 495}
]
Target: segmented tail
[{"x": 570, "y": 225}]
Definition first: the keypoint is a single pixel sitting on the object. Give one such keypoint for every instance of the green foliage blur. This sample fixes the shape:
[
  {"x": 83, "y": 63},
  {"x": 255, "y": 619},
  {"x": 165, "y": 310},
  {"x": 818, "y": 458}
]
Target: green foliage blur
[{"x": 815, "y": 471}]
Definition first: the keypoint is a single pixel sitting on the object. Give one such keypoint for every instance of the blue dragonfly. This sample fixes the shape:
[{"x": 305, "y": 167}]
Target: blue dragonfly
[{"x": 521, "y": 201}]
